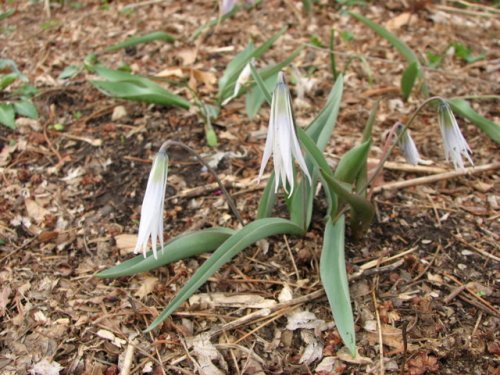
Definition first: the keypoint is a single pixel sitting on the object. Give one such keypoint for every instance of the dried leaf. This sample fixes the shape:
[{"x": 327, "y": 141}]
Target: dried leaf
[
  {"x": 35, "y": 211},
  {"x": 4, "y": 299},
  {"x": 211, "y": 300},
  {"x": 147, "y": 286},
  {"x": 126, "y": 243}
]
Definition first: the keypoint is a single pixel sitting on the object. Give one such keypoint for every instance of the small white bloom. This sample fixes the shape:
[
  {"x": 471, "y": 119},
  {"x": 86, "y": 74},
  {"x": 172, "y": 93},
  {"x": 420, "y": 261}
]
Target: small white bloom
[
  {"x": 304, "y": 84},
  {"x": 226, "y": 6},
  {"x": 408, "y": 147},
  {"x": 242, "y": 79},
  {"x": 151, "y": 224},
  {"x": 281, "y": 139},
  {"x": 455, "y": 145}
]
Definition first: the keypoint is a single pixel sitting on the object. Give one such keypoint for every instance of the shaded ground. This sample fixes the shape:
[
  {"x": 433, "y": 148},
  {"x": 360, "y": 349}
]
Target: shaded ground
[{"x": 70, "y": 203}]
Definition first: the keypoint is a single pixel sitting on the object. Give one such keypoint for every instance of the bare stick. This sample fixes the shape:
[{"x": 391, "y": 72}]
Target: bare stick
[
  {"x": 436, "y": 177},
  {"x": 229, "y": 199}
]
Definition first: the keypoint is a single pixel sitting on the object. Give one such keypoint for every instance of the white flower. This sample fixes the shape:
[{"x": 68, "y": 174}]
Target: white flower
[
  {"x": 455, "y": 145},
  {"x": 408, "y": 147},
  {"x": 226, "y": 6},
  {"x": 151, "y": 224},
  {"x": 281, "y": 139},
  {"x": 242, "y": 79}
]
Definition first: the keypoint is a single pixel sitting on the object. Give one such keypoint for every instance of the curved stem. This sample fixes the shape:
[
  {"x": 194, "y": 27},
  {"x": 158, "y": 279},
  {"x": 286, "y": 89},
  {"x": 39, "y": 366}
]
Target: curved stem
[
  {"x": 388, "y": 149},
  {"x": 228, "y": 197}
]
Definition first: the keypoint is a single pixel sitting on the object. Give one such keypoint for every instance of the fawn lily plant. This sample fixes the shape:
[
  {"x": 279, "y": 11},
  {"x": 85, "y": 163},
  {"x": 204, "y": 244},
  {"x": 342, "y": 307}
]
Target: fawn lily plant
[{"x": 282, "y": 140}]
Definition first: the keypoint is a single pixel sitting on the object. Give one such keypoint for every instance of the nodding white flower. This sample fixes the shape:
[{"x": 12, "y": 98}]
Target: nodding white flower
[
  {"x": 242, "y": 79},
  {"x": 226, "y": 6},
  {"x": 455, "y": 145},
  {"x": 281, "y": 139},
  {"x": 151, "y": 224},
  {"x": 407, "y": 146}
]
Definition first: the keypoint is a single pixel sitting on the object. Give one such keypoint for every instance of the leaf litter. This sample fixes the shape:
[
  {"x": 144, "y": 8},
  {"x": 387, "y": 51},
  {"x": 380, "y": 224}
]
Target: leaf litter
[{"x": 70, "y": 203}]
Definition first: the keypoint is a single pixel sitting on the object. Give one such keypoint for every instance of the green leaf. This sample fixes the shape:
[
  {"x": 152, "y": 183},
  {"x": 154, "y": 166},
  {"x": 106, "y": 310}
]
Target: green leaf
[
  {"x": 183, "y": 246},
  {"x": 321, "y": 128},
  {"x": 351, "y": 163},
  {"x": 363, "y": 210},
  {"x": 7, "y": 115},
  {"x": 26, "y": 108},
  {"x": 267, "y": 200},
  {"x": 255, "y": 98},
  {"x": 408, "y": 79},
  {"x": 234, "y": 68},
  {"x": 140, "y": 92},
  {"x": 7, "y": 79},
  {"x": 135, "y": 40},
  {"x": 7, "y": 14},
  {"x": 249, "y": 234},
  {"x": 397, "y": 43},
  {"x": 261, "y": 85},
  {"x": 69, "y": 72},
  {"x": 465, "y": 53},
  {"x": 334, "y": 279},
  {"x": 463, "y": 108},
  {"x": 333, "y": 63}
]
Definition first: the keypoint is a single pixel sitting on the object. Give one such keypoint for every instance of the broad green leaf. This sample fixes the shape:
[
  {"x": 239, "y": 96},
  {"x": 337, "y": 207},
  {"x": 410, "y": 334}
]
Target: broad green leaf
[
  {"x": 321, "y": 128},
  {"x": 351, "y": 163},
  {"x": 334, "y": 278},
  {"x": 69, "y": 72},
  {"x": 408, "y": 79},
  {"x": 463, "y": 108},
  {"x": 315, "y": 156},
  {"x": 26, "y": 108},
  {"x": 267, "y": 200},
  {"x": 7, "y": 79},
  {"x": 138, "y": 92},
  {"x": 7, "y": 115},
  {"x": 401, "y": 46},
  {"x": 248, "y": 235},
  {"x": 261, "y": 84},
  {"x": 183, "y": 246},
  {"x": 135, "y": 40}
]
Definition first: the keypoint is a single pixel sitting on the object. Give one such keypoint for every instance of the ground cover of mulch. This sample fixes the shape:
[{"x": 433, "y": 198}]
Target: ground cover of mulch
[{"x": 423, "y": 280}]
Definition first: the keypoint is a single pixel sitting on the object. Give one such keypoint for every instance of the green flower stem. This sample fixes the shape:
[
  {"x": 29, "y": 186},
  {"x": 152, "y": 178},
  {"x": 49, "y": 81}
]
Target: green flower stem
[{"x": 229, "y": 199}]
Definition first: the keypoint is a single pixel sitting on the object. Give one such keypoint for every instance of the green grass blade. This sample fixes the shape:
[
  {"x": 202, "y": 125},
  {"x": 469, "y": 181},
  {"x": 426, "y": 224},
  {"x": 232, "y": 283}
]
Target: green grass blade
[
  {"x": 135, "y": 40},
  {"x": 463, "y": 108},
  {"x": 183, "y": 246},
  {"x": 249, "y": 234},
  {"x": 334, "y": 279}
]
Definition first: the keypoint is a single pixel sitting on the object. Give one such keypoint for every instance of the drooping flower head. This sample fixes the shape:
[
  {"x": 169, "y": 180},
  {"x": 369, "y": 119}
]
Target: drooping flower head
[
  {"x": 407, "y": 145},
  {"x": 455, "y": 145},
  {"x": 243, "y": 78},
  {"x": 151, "y": 224},
  {"x": 226, "y": 6},
  {"x": 282, "y": 140}
]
